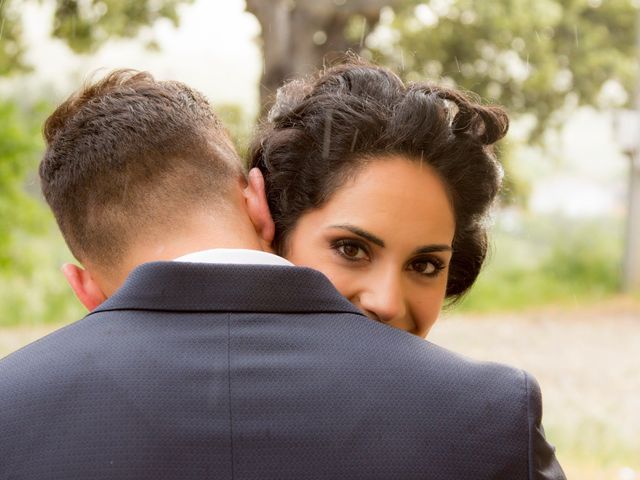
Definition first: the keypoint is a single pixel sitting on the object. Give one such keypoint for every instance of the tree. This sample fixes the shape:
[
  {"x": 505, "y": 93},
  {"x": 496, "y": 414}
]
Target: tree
[
  {"x": 299, "y": 35},
  {"x": 534, "y": 57},
  {"x": 83, "y": 25},
  {"x": 537, "y": 58},
  {"x": 11, "y": 46}
]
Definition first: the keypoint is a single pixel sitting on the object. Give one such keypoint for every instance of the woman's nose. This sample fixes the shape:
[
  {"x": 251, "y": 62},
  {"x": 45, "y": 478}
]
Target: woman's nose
[{"x": 383, "y": 300}]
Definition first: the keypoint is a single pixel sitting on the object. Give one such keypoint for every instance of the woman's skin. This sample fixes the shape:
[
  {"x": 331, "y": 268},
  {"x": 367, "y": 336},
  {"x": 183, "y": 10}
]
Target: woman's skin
[{"x": 384, "y": 240}]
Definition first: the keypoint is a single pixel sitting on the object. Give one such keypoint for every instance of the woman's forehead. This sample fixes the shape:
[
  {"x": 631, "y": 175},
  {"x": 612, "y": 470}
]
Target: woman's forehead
[{"x": 394, "y": 195}]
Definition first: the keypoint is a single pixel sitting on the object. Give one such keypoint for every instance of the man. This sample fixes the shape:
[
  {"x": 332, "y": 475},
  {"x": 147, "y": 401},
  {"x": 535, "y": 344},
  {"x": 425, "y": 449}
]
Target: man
[{"x": 229, "y": 362}]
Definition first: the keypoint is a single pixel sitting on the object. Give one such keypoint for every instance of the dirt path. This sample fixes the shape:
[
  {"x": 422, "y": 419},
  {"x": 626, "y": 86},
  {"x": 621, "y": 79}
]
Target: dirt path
[
  {"x": 587, "y": 361},
  {"x": 12, "y": 338}
]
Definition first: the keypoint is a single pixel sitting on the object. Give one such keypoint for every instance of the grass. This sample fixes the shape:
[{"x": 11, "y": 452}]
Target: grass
[{"x": 546, "y": 260}]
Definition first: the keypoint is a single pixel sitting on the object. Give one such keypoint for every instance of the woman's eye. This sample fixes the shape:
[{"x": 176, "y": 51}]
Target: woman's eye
[
  {"x": 427, "y": 267},
  {"x": 350, "y": 250}
]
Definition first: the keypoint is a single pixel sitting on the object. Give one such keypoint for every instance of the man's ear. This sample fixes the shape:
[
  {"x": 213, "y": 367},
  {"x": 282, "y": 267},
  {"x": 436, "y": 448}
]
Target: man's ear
[
  {"x": 258, "y": 207},
  {"x": 84, "y": 286}
]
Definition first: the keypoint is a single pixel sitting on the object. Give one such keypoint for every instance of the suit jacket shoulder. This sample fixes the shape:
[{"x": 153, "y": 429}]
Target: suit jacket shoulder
[{"x": 193, "y": 371}]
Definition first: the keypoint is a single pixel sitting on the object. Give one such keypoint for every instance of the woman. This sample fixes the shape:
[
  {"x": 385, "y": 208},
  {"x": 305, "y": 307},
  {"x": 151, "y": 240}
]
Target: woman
[{"x": 383, "y": 187}]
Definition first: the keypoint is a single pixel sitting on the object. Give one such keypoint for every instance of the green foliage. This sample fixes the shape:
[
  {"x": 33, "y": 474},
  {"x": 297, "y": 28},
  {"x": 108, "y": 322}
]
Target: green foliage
[
  {"x": 548, "y": 260},
  {"x": 38, "y": 293},
  {"x": 31, "y": 250},
  {"x": 237, "y": 124},
  {"x": 20, "y": 149},
  {"x": 533, "y": 57},
  {"x": 84, "y": 24},
  {"x": 11, "y": 45},
  {"x": 515, "y": 186}
]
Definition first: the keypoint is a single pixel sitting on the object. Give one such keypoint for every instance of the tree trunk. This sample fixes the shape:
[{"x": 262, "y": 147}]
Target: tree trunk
[{"x": 299, "y": 36}]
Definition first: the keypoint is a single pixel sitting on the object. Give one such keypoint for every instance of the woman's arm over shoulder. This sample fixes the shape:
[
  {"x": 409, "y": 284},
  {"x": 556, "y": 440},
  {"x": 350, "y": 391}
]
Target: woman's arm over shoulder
[{"x": 543, "y": 464}]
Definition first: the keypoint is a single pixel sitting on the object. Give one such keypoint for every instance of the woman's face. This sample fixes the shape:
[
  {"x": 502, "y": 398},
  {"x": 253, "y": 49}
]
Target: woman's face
[{"x": 384, "y": 240}]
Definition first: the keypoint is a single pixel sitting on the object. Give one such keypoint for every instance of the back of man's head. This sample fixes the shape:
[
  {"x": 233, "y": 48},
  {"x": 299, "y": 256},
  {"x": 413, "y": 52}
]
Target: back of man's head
[{"x": 129, "y": 158}]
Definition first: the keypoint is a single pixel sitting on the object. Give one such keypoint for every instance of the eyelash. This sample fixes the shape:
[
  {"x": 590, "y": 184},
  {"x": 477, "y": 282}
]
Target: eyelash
[
  {"x": 438, "y": 266},
  {"x": 338, "y": 245}
]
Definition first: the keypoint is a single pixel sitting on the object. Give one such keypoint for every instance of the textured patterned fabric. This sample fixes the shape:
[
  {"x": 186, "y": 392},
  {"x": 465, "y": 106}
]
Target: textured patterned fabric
[{"x": 258, "y": 372}]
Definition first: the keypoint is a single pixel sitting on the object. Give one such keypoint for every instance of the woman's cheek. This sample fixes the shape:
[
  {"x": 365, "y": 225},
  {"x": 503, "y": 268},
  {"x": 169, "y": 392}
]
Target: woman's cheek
[{"x": 343, "y": 279}]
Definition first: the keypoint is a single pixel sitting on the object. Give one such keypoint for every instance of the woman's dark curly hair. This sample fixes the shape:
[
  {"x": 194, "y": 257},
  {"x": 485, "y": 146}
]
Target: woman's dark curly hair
[{"x": 322, "y": 130}]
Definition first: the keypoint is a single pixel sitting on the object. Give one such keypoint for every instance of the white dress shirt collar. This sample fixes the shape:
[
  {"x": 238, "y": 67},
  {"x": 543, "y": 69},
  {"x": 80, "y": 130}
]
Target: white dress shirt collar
[{"x": 234, "y": 255}]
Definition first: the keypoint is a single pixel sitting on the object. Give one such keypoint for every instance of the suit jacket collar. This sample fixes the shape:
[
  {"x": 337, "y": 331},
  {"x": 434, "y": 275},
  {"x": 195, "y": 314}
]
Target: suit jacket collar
[{"x": 195, "y": 287}]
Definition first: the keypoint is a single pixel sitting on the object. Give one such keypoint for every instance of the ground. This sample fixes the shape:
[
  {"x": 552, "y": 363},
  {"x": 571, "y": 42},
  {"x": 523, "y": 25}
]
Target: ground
[{"x": 587, "y": 360}]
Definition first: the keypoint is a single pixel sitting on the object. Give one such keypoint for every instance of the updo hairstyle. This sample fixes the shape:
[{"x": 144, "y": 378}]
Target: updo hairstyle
[{"x": 322, "y": 131}]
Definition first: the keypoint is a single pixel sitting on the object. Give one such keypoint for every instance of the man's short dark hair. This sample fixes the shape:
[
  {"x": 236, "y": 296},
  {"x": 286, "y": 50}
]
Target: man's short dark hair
[{"x": 129, "y": 155}]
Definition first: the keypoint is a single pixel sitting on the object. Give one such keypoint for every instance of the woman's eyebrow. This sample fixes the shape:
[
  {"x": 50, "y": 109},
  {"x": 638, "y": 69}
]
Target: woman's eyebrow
[
  {"x": 361, "y": 233},
  {"x": 433, "y": 248}
]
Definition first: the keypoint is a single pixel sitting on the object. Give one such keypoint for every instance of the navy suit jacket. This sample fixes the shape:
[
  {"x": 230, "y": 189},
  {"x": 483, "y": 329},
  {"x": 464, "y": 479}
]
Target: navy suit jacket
[{"x": 199, "y": 371}]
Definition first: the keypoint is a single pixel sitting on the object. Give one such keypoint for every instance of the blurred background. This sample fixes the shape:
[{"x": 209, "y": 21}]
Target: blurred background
[{"x": 560, "y": 295}]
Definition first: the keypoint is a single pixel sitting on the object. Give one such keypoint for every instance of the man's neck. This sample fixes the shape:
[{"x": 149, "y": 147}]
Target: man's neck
[{"x": 154, "y": 248}]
